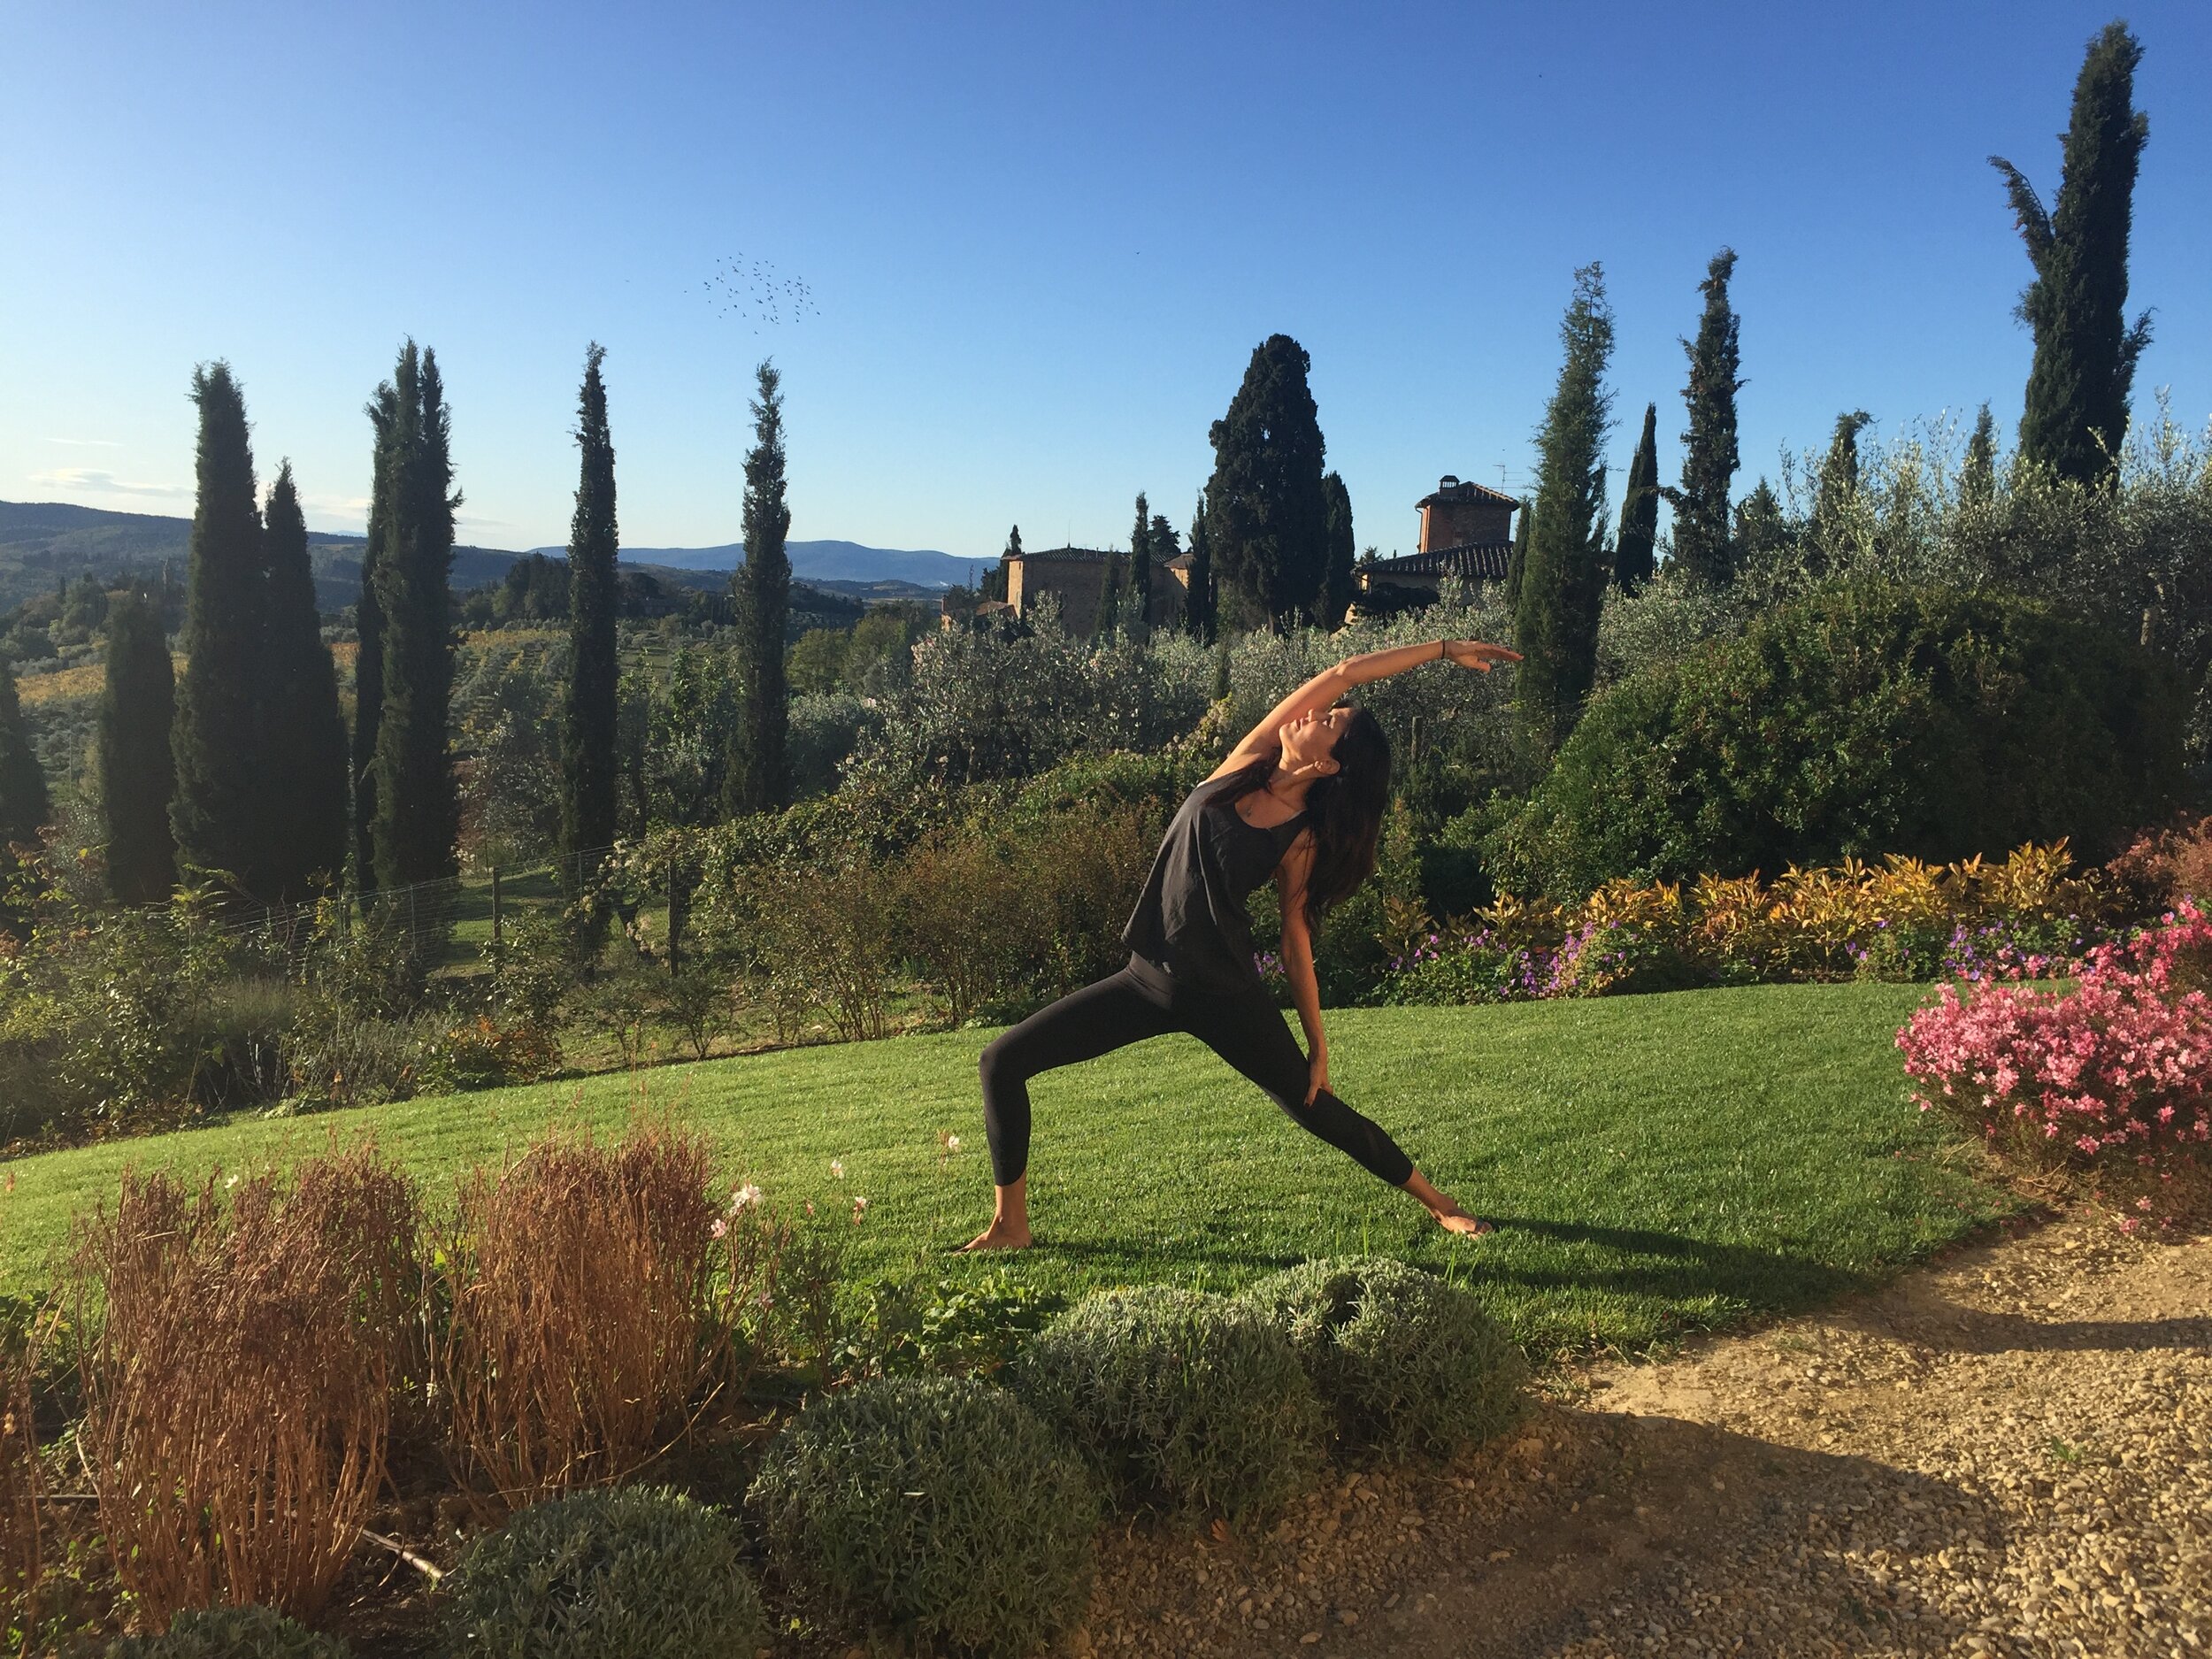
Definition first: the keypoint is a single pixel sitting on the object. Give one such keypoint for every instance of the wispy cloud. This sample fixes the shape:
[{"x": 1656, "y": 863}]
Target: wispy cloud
[
  {"x": 86, "y": 443},
  {"x": 100, "y": 483}
]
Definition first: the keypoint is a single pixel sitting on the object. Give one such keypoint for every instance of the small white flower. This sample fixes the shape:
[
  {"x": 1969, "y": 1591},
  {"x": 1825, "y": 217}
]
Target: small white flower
[
  {"x": 860, "y": 1209},
  {"x": 719, "y": 1227},
  {"x": 837, "y": 1168},
  {"x": 230, "y": 1183},
  {"x": 952, "y": 1144},
  {"x": 744, "y": 1197}
]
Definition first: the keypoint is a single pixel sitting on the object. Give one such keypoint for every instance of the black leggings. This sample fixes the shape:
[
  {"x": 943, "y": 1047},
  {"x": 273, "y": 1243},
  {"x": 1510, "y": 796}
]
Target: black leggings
[{"x": 1248, "y": 1032}]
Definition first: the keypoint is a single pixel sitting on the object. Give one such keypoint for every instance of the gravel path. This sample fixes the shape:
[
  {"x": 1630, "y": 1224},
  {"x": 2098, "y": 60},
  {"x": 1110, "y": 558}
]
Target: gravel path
[{"x": 2009, "y": 1452}]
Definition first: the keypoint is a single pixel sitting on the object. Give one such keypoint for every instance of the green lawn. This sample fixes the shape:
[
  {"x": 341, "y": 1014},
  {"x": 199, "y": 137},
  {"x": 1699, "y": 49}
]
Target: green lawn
[{"x": 1659, "y": 1164}]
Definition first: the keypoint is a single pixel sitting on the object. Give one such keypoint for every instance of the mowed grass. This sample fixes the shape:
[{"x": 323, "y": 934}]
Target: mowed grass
[{"x": 1658, "y": 1165}]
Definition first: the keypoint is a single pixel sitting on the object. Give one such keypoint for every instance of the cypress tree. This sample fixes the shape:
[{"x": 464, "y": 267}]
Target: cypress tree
[
  {"x": 1563, "y": 581},
  {"x": 1517, "y": 561},
  {"x": 368, "y": 663},
  {"x": 1633, "y": 564},
  {"x": 587, "y": 714},
  {"x": 1198, "y": 614},
  {"x": 1109, "y": 586},
  {"x": 759, "y": 776},
  {"x": 994, "y": 583},
  {"x": 417, "y": 807},
  {"x": 304, "y": 734},
  {"x": 24, "y": 806},
  {"x": 1140, "y": 557},
  {"x": 1269, "y": 529},
  {"x": 1762, "y": 527},
  {"x": 1978, "y": 477},
  {"x": 1709, "y": 458},
  {"x": 2086, "y": 351},
  {"x": 218, "y": 812},
  {"x": 1335, "y": 597},
  {"x": 137, "y": 771},
  {"x": 1838, "y": 484}
]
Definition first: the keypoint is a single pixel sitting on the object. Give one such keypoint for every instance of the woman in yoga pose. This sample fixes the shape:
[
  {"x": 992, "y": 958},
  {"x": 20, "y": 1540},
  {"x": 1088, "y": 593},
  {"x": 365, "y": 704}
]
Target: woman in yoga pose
[{"x": 1301, "y": 798}]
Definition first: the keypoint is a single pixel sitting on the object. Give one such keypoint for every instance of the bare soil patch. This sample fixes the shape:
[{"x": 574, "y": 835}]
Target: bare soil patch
[{"x": 2008, "y": 1452}]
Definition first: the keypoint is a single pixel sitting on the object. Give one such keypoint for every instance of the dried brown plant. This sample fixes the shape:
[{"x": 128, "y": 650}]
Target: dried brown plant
[
  {"x": 239, "y": 1375},
  {"x": 584, "y": 1331},
  {"x": 22, "y": 1536}
]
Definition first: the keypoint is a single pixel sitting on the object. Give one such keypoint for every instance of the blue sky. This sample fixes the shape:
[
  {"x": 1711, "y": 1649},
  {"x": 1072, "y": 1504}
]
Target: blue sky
[{"x": 1040, "y": 240}]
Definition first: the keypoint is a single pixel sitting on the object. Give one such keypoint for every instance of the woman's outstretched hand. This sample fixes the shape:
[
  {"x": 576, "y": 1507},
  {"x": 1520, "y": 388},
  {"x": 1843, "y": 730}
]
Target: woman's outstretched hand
[{"x": 1475, "y": 654}]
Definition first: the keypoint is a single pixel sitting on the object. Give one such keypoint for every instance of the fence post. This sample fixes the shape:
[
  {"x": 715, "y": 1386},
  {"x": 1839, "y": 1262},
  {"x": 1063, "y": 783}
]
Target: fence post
[{"x": 494, "y": 907}]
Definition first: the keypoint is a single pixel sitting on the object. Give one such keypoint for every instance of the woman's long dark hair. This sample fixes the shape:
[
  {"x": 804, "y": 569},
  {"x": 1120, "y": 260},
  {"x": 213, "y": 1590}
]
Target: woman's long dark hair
[{"x": 1344, "y": 810}]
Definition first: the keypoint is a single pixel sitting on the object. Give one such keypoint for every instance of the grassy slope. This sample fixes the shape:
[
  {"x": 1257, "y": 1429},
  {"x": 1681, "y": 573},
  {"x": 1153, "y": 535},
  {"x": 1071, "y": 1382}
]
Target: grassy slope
[{"x": 1661, "y": 1163}]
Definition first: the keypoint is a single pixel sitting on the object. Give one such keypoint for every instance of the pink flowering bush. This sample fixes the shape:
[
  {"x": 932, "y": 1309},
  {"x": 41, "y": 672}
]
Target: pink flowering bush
[{"x": 2114, "y": 1075}]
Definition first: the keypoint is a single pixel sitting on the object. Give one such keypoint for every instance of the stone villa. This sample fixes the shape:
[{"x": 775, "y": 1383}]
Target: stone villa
[
  {"x": 1466, "y": 531},
  {"x": 1077, "y": 577}
]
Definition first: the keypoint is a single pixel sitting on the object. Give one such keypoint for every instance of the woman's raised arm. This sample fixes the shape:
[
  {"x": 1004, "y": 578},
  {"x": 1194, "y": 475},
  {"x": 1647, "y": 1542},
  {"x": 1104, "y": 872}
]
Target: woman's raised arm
[{"x": 1332, "y": 682}]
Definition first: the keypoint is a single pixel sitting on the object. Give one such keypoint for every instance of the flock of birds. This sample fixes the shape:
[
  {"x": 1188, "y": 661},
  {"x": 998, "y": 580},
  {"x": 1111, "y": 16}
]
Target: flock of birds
[{"x": 753, "y": 291}]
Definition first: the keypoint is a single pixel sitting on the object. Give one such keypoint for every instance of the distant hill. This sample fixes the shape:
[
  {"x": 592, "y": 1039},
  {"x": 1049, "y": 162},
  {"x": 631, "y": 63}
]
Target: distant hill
[
  {"x": 825, "y": 562},
  {"x": 43, "y": 543}
]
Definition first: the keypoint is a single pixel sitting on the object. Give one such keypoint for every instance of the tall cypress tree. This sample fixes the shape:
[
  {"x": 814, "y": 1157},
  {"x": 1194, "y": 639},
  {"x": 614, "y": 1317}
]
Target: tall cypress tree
[
  {"x": 137, "y": 771},
  {"x": 1140, "y": 557},
  {"x": 759, "y": 775},
  {"x": 2086, "y": 351},
  {"x": 1633, "y": 564},
  {"x": 1978, "y": 476},
  {"x": 304, "y": 734},
  {"x": 1269, "y": 520},
  {"x": 368, "y": 663},
  {"x": 1198, "y": 612},
  {"x": 1517, "y": 561},
  {"x": 218, "y": 811},
  {"x": 1335, "y": 597},
  {"x": 1762, "y": 527},
  {"x": 1563, "y": 584},
  {"x": 1838, "y": 484},
  {"x": 1709, "y": 458},
  {"x": 588, "y": 715},
  {"x": 418, "y": 806},
  {"x": 24, "y": 805}
]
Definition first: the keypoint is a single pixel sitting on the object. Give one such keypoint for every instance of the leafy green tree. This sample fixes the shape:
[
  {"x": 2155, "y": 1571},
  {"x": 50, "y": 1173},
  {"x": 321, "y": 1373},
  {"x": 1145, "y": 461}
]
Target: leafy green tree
[
  {"x": 1709, "y": 458},
  {"x": 588, "y": 712},
  {"x": 137, "y": 770},
  {"x": 222, "y": 793},
  {"x": 24, "y": 806},
  {"x": 1335, "y": 597},
  {"x": 1198, "y": 614},
  {"x": 758, "y": 778},
  {"x": 1140, "y": 557},
  {"x": 1563, "y": 580},
  {"x": 1268, "y": 518},
  {"x": 2085, "y": 349},
  {"x": 418, "y": 805},
  {"x": 303, "y": 733},
  {"x": 368, "y": 663},
  {"x": 1633, "y": 564}
]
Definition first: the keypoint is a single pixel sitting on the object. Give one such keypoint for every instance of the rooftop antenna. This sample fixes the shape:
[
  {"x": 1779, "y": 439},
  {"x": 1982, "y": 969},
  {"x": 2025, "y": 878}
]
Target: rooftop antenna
[{"x": 1502, "y": 478}]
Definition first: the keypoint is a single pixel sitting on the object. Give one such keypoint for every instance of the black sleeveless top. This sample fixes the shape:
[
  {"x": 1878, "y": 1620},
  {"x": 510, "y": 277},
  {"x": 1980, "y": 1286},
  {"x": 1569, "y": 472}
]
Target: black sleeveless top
[{"x": 1191, "y": 919}]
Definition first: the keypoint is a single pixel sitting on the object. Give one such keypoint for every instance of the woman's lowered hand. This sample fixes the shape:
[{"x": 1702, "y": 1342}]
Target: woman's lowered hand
[{"x": 1475, "y": 654}]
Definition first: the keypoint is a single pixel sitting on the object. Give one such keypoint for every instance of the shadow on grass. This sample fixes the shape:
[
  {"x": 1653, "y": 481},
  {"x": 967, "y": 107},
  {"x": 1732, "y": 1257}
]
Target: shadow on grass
[{"x": 1672, "y": 1266}]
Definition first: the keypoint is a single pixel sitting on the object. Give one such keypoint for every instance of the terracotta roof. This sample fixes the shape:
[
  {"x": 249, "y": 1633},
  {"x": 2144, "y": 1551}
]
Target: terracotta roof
[
  {"x": 1467, "y": 490},
  {"x": 1481, "y": 561},
  {"x": 1070, "y": 555}
]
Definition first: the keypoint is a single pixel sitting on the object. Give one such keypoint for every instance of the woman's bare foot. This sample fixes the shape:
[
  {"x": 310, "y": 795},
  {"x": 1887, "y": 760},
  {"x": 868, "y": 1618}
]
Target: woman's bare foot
[
  {"x": 1445, "y": 1208},
  {"x": 1010, "y": 1219},
  {"x": 999, "y": 1236}
]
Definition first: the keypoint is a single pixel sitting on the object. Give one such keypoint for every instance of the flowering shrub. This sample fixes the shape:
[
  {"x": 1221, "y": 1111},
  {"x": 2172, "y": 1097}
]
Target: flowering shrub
[
  {"x": 2115, "y": 1075},
  {"x": 1903, "y": 920}
]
